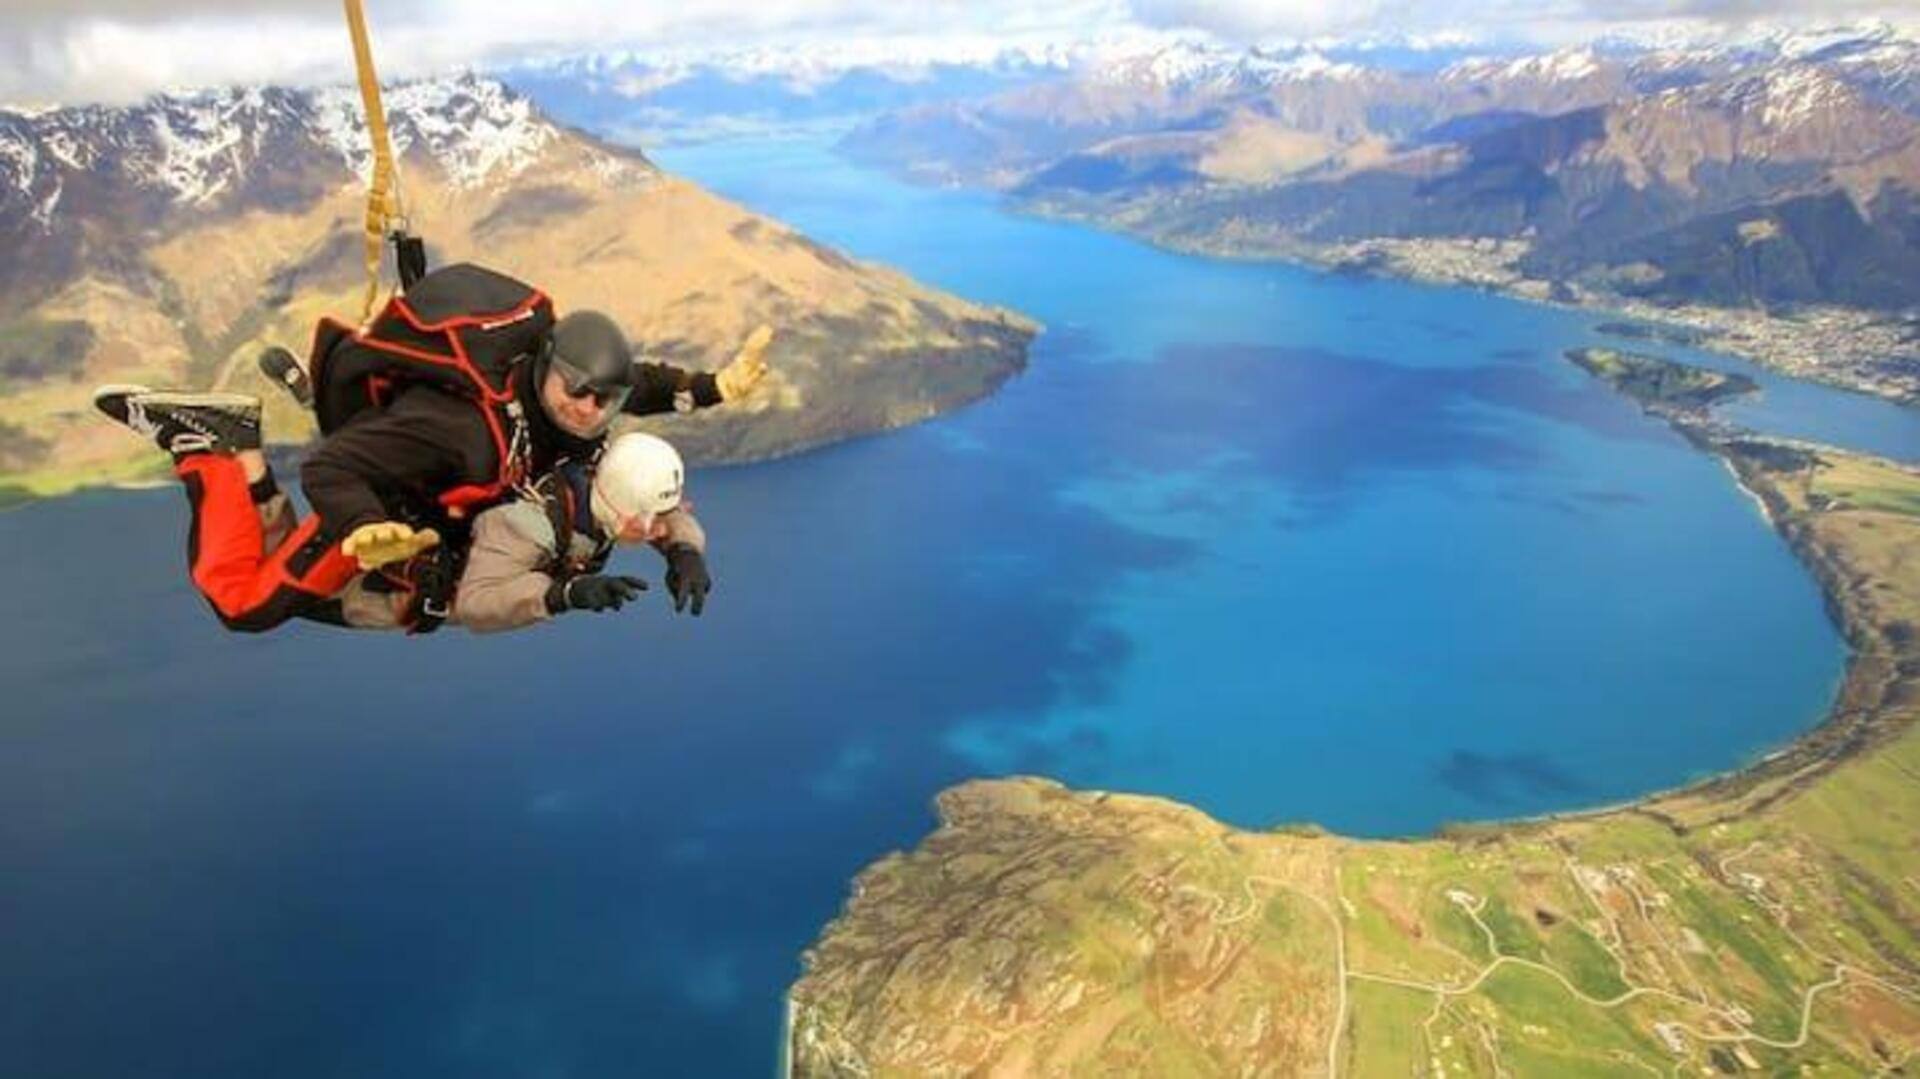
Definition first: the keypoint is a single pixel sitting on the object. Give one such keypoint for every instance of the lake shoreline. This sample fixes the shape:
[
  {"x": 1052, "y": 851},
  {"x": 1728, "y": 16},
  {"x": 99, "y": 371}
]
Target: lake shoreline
[
  {"x": 1037, "y": 910},
  {"x": 1769, "y": 340},
  {"x": 1853, "y": 723}
]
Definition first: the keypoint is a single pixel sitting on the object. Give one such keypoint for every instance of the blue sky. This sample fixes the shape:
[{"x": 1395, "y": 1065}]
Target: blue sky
[{"x": 117, "y": 50}]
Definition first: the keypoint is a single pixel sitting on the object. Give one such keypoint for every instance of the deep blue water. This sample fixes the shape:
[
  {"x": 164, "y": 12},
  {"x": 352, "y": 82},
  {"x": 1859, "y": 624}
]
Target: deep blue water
[{"x": 1284, "y": 546}]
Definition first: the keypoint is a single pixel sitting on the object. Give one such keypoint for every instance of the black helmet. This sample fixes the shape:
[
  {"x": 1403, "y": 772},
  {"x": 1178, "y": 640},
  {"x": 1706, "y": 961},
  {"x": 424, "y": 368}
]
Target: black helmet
[{"x": 592, "y": 358}]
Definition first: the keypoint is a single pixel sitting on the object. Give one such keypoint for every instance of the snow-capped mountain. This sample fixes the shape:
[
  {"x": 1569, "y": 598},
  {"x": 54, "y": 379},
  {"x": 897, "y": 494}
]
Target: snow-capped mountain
[
  {"x": 1789, "y": 99},
  {"x": 665, "y": 92},
  {"x": 1884, "y": 63},
  {"x": 79, "y": 186},
  {"x": 1776, "y": 167},
  {"x": 665, "y": 95},
  {"x": 473, "y": 130},
  {"x": 172, "y": 150},
  {"x": 223, "y": 147},
  {"x": 1565, "y": 65},
  {"x": 167, "y": 242},
  {"x": 1420, "y": 80},
  {"x": 1877, "y": 57},
  {"x": 808, "y": 66},
  {"x": 1195, "y": 67}
]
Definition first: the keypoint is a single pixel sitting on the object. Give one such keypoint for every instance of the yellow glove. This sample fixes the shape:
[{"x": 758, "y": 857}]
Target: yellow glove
[
  {"x": 378, "y": 544},
  {"x": 748, "y": 366}
]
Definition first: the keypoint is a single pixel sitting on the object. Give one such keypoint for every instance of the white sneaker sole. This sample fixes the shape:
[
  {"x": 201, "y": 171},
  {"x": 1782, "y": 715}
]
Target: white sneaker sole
[
  {"x": 120, "y": 389},
  {"x": 236, "y": 402}
]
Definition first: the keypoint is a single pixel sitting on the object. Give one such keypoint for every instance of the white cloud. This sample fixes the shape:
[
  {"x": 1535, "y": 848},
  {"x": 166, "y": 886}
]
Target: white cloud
[
  {"x": 1255, "y": 20},
  {"x": 125, "y": 49},
  {"x": 116, "y": 50},
  {"x": 117, "y": 61},
  {"x": 1543, "y": 21}
]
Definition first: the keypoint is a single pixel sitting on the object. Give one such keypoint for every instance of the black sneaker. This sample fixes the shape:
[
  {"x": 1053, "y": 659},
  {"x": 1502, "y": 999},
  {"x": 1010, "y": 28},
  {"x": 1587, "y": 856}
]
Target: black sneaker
[
  {"x": 114, "y": 401},
  {"x": 280, "y": 367},
  {"x": 184, "y": 423}
]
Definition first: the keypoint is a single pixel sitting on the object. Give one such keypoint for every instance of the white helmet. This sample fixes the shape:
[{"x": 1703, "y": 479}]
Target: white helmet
[{"x": 639, "y": 476}]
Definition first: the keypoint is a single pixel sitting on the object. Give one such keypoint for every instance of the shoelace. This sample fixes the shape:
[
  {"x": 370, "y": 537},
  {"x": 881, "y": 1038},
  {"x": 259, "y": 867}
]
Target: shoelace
[
  {"x": 138, "y": 419},
  {"x": 197, "y": 438}
]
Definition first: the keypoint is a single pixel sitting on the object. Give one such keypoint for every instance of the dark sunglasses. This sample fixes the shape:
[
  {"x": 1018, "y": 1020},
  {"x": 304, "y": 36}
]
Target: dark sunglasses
[
  {"x": 603, "y": 398},
  {"x": 579, "y": 386}
]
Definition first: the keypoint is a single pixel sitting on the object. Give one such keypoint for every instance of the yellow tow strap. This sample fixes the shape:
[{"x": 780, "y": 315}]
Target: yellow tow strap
[{"x": 384, "y": 212}]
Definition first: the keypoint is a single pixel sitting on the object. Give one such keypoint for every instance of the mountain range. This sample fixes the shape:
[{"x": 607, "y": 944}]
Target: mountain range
[
  {"x": 1765, "y": 174},
  {"x": 165, "y": 243}
]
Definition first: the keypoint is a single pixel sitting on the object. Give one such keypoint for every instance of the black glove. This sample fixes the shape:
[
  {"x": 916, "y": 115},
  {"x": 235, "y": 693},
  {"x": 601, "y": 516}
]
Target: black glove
[
  {"x": 592, "y": 593},
  {"x": 687, "y": 577}
]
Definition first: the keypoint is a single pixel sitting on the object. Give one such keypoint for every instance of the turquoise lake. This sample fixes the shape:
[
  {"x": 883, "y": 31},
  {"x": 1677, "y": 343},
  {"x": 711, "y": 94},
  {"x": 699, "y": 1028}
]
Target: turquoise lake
[{"x": 1282, "y": 545}]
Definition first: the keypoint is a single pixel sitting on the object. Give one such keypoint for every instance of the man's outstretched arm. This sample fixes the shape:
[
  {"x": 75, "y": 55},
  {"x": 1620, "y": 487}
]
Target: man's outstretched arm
[
  {"x": 683, "y": 544},
  {"x": 661, "y": 387},
  {"x": 658, "y": 387}
]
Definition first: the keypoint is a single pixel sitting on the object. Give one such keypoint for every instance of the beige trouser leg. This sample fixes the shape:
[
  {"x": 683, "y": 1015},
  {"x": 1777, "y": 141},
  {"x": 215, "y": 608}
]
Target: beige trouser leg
[{"x": 277, "y": 519}]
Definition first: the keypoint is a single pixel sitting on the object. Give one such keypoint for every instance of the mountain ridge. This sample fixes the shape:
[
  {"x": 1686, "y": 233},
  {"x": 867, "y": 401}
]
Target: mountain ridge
[
  {"x": 166, "y": 243},
  {"x": 1771, "y": 183}
]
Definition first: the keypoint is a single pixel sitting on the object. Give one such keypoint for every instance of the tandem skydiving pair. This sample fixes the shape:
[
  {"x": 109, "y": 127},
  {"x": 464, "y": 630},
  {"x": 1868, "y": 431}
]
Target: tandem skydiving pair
[{"x": 464, "y": 474}]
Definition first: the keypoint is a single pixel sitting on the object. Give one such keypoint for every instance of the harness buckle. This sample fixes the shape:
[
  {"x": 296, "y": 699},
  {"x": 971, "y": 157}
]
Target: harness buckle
[{"x": 434, "y": 582}]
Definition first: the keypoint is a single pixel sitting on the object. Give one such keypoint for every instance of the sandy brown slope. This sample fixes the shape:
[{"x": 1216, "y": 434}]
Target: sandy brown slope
[{"x": 860, "y": 347}]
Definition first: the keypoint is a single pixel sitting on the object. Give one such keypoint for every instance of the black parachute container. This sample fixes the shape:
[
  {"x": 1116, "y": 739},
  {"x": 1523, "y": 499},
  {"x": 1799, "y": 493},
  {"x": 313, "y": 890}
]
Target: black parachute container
[{"x": 462, "y": 328}]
